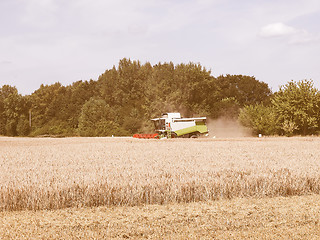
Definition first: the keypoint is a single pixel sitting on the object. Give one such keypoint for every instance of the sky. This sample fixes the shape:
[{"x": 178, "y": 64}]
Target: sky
[{"x": 48, "y": 41}]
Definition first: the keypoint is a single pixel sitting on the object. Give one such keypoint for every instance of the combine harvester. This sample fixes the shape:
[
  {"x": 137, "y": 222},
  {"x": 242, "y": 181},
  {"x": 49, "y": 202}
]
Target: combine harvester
[{"x": 172, "y": 125}]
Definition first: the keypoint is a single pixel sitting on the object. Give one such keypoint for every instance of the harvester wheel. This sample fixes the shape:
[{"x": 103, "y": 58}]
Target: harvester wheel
[
  {"x": 174, "y": 135},
  {"x": 194, "y": 135}
]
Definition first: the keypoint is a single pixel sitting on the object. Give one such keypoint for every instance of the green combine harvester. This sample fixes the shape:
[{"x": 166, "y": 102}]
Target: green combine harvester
[{"x": 172, "y": 125}]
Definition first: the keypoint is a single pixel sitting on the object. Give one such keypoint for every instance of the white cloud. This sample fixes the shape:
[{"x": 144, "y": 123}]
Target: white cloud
[
  {"x": 277, "y": 30},
  {"x": 293, "y": 35}
]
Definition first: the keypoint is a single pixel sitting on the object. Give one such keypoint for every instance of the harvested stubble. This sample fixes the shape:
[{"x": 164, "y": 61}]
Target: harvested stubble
[{"x": 75, "y": 172}]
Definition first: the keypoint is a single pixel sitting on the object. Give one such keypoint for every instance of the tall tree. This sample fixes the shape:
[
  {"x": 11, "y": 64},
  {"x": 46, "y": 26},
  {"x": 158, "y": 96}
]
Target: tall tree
[
  {"x": 260, "y": 118},
  {"x": 245, "y": 89},
  {"x": 297, "y": 105},
  {"x": 12, "y": 106},
  {"x": 96, "y": 119}
]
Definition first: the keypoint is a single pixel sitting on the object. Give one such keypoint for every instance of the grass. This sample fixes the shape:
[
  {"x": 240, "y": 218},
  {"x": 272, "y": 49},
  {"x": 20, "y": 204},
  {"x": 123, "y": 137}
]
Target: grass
[{"x": 47, "y": 174}]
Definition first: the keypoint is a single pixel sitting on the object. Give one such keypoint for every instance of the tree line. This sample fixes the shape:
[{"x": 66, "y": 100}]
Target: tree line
[{"x": 124, "y": 99}]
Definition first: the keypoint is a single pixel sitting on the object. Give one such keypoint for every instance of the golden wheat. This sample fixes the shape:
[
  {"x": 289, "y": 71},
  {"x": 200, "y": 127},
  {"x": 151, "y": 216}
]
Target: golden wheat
[{"x": 73, "y": 172}]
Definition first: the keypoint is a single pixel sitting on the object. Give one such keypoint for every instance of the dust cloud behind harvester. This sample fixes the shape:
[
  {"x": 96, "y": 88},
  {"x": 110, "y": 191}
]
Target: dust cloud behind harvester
[{"x": 227, "y": 128}]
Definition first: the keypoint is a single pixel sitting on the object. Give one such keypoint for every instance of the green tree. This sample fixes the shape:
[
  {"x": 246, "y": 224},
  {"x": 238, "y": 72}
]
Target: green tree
[
  {"x": 158, "y": 87},
  {"x": 77, "y": 94},
  {"x": 96, "y": 119},
  {"x": 42, "y": 108},
  {"x": 297, "y": 105},
  {"x": 260, "y": 118},
  {"x": 23, "y": 127},
  {"x": 56, "y": 108},
  {"x": 228, "y": 107},
  {"x": 245, "y": 89},
  {"x": 12, "y": 107},
  {"x": 2, "y": 116}
]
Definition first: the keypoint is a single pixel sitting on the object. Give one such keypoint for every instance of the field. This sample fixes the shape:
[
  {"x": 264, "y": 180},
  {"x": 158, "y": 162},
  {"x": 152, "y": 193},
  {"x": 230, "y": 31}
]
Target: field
[{"x": 178, "y": 188}]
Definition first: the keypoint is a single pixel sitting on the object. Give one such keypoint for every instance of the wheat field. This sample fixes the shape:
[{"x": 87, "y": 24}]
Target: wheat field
[{"x": 44, "y": 173}]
